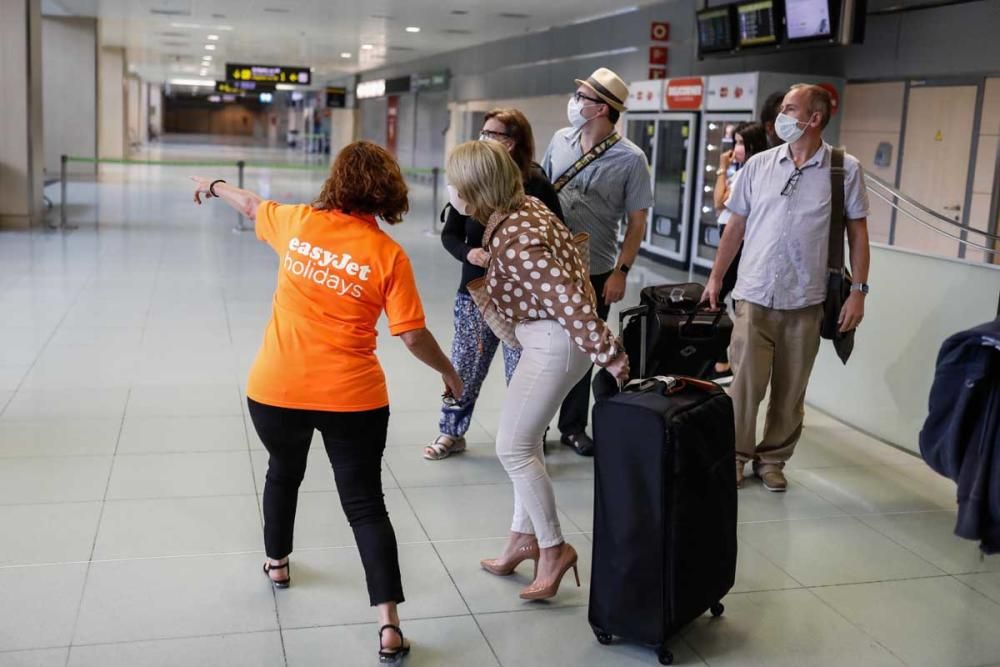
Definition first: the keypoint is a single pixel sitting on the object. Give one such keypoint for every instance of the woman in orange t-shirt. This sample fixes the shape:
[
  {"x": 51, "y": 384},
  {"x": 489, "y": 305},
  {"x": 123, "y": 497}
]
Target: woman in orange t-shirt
[{"x": 316, "y": 368}]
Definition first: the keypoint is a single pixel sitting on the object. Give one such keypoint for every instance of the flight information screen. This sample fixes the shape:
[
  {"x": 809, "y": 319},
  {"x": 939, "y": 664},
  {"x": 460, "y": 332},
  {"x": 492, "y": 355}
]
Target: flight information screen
[
  {"x": 808, "y": 19},
  {"x": 715, "y": 30},
  {"x": 757, "y": 23}
]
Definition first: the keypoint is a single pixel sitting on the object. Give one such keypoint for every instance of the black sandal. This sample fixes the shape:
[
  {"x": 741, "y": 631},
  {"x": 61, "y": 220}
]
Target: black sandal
[
  {"x": 278, "y": 583},
  {"x": 395, "y": 654}
]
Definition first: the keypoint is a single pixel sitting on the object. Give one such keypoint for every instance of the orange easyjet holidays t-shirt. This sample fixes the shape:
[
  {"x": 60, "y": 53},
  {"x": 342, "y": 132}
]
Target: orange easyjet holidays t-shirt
[{"x": 337, "y": 273}]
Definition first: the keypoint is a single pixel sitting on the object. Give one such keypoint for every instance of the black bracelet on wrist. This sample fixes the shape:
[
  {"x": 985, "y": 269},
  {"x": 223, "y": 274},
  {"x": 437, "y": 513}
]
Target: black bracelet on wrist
[{"x": 211, "y": 188}]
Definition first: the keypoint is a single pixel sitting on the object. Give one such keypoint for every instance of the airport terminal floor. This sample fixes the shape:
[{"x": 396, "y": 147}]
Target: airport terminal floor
[{"x": 131, "y": 481}]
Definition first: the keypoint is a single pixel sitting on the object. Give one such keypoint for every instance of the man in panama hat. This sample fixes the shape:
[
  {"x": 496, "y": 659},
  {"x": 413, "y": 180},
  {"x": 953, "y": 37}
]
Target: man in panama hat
[{"x": 601, "y": 178}]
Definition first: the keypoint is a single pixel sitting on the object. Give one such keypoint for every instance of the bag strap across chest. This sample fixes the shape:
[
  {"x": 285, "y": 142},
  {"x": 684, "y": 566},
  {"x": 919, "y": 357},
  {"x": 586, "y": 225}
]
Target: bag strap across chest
[
  {"x": 585, "y": 160},
  {"x": 837, "y": 230}
]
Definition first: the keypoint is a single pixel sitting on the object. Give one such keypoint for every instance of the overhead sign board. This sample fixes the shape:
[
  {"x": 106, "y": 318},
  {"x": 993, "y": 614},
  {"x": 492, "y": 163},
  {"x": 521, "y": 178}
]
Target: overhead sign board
[
  {"x": 684, "y": 94},
  {"x": 400, "y": 84},
  {"x": 242, "y": 87},
  {"x": 430, "y": 81},
  {"x": 644, "y": 95},
  {"x": 367, "y": 90},
  {"x": 336, "y": 97},
  {"x": 272, "y": 74},
  {"x": 732, "y": 92}
]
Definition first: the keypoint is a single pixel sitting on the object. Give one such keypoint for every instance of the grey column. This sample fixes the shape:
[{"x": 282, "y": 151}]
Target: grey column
[{"x": 21, "y": 155}]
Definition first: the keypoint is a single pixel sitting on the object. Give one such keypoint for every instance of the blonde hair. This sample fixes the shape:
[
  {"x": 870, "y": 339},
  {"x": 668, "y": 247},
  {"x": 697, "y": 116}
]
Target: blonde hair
[{"x": 486, "y": 177}]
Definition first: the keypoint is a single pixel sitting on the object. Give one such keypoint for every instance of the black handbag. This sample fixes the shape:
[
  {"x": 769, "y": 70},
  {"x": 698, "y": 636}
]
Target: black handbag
[{"x": 838, "y": 284}]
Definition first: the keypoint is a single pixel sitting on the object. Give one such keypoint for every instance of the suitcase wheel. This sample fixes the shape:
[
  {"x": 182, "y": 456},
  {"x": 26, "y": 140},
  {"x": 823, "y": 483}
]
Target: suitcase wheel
[
  {"x": 665, "y": 656},
  {"x": 602, "y": 637},
  {"x": 717, "y": 609}
]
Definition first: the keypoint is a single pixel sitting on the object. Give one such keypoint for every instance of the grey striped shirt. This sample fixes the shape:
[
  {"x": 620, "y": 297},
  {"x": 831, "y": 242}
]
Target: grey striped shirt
[{"x": 613, "y": 185}]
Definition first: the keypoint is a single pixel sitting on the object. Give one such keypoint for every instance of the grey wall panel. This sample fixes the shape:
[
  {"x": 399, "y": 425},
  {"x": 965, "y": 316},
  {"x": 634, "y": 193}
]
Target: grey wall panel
[
  {"x": 405, "y": 140},
  {"x": 960, "y": 39},
  {"x": 877, "y": 57},
  {"x": 926, "y": 43},
  {"x": 69, "y": 89},
  {"x": 929, "y": 42},
  {"x": 432, "y": 122},
  {"x": 373, "y": 120}
]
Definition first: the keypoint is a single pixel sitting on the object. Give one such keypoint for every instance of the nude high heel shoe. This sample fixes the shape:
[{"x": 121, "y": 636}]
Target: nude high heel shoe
[
  {"x": 568, "y": 559},
  {"x": 502, "y": 569}
]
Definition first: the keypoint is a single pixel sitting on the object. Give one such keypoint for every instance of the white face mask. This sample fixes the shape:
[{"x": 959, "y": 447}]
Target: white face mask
[
  {"x": 574, "y": 113},
  {"x": 460, "y": 205},
  {"x": 787, "y": 128}
]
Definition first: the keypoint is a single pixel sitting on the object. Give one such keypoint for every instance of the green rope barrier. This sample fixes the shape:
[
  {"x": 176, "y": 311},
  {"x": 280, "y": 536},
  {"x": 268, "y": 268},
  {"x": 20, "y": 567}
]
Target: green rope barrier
[{"x": 220, "y": 163}]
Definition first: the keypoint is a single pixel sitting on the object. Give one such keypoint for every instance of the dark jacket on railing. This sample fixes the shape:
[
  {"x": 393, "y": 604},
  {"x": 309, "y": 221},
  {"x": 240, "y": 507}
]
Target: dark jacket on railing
[
  {"x": 961, "y": 437},
  {"x": 461, "y": 233}
]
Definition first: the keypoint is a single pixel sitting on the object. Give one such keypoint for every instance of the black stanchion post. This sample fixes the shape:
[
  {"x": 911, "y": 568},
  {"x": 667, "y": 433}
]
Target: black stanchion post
[
  {"x": 62, "y": 191},
  {"x": 435, "y": 208},
  {"x": 240, "y": 166}
]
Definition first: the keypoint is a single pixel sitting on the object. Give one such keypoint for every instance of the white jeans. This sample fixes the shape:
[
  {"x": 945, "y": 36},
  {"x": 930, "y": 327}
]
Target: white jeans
[{"x": 550, "y": 366}]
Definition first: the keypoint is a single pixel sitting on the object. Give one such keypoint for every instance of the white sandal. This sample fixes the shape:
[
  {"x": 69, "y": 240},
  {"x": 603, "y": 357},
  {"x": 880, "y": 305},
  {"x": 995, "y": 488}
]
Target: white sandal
[{"x": 443, "y": 446}]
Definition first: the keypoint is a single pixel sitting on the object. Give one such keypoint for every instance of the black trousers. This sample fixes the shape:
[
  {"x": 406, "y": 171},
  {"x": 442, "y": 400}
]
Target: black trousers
[
  {"x": 728, "y": 284},
  {"x": 575, "y": 410},
  {"x": 354, "y": 443}
]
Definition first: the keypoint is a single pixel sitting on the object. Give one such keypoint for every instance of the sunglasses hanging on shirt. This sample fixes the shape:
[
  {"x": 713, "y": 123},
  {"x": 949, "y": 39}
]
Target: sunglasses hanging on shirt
[{"x": 793, "y": 180}]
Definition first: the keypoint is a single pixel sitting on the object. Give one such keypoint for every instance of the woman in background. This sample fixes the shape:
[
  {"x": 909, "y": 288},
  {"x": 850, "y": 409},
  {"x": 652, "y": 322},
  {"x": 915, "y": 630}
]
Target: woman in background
[
  {"x": 749, "y": 139},
  {"x": 474, "y": 344}
]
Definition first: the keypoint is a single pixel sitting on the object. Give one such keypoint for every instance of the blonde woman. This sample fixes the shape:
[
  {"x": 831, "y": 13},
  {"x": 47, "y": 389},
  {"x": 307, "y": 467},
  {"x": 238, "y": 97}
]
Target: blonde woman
[{"x": 536, "y": 279}]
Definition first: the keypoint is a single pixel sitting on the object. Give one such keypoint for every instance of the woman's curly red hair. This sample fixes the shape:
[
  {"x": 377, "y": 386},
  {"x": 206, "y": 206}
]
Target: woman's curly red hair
[{"x": 365, "y": 178}]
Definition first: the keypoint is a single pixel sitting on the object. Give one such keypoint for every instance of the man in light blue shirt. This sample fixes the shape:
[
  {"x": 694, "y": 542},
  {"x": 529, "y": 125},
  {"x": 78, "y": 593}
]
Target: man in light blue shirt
[{"x": 780, "y": 209}]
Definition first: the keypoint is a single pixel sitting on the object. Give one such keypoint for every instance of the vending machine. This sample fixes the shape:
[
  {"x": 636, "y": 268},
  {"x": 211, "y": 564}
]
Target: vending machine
[
  {"x": 666, "y": 134},
  {"x": 731, "y": 99}
]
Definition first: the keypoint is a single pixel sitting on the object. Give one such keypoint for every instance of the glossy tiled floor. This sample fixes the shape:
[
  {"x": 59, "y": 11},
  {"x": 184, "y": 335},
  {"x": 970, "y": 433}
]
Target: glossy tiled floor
[{"x": 130, "y": 483}]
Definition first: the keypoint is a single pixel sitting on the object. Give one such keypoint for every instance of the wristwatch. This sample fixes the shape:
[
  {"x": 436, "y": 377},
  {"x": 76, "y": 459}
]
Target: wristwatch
[
  {"x": 859, "y": 287},
  {"x": 624, "y": 268}
]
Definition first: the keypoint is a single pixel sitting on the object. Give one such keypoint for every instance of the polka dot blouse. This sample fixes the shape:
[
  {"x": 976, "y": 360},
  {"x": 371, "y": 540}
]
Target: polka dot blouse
[{"x": 536, "y": 273}]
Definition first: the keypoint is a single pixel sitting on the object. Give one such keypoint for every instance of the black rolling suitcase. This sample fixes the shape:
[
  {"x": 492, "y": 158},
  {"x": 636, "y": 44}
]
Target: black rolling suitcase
[
  {"x": 664, "y": 508},
  {"x": 682, "y": 337}
]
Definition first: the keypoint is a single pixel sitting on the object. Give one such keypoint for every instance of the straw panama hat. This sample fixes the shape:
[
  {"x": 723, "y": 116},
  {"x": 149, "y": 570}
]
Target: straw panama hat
[{"x": 608, "y": 86}]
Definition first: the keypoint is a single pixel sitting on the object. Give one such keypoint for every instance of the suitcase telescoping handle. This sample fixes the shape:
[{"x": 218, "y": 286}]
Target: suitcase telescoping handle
[
  {"x": 642, "y": 312},
  {"x": 671, "y": 384},
  {"x": 717, "y": 315}
]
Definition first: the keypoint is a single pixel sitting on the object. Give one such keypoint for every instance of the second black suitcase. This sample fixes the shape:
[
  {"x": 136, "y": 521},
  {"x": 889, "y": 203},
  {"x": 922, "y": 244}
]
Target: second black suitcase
[
  {"x": 682, "y": 338},
  {"x": 664, "y": 509}
]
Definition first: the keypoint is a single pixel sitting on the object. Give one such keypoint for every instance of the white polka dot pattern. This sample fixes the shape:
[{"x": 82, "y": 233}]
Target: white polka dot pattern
[{"x": 541, "y": 247}]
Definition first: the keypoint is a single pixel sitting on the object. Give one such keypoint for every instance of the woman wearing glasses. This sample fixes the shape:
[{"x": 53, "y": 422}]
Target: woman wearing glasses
[{"x": 475, "y": 344}]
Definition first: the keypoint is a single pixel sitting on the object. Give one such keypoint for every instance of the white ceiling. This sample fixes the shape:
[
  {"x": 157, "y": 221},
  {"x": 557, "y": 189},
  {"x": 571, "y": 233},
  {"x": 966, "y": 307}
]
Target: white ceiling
[{"x": 166, "y": 38}]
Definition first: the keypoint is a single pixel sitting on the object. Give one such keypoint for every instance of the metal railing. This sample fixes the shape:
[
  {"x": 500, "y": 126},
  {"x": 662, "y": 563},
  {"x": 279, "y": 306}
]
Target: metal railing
[
  {"x": 931, "y": 219},
  {"x": 430, "y": 177}
]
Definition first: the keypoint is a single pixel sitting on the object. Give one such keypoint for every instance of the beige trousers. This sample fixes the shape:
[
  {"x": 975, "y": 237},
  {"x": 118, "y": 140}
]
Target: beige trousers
[{"x": 776, "y": 346}]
